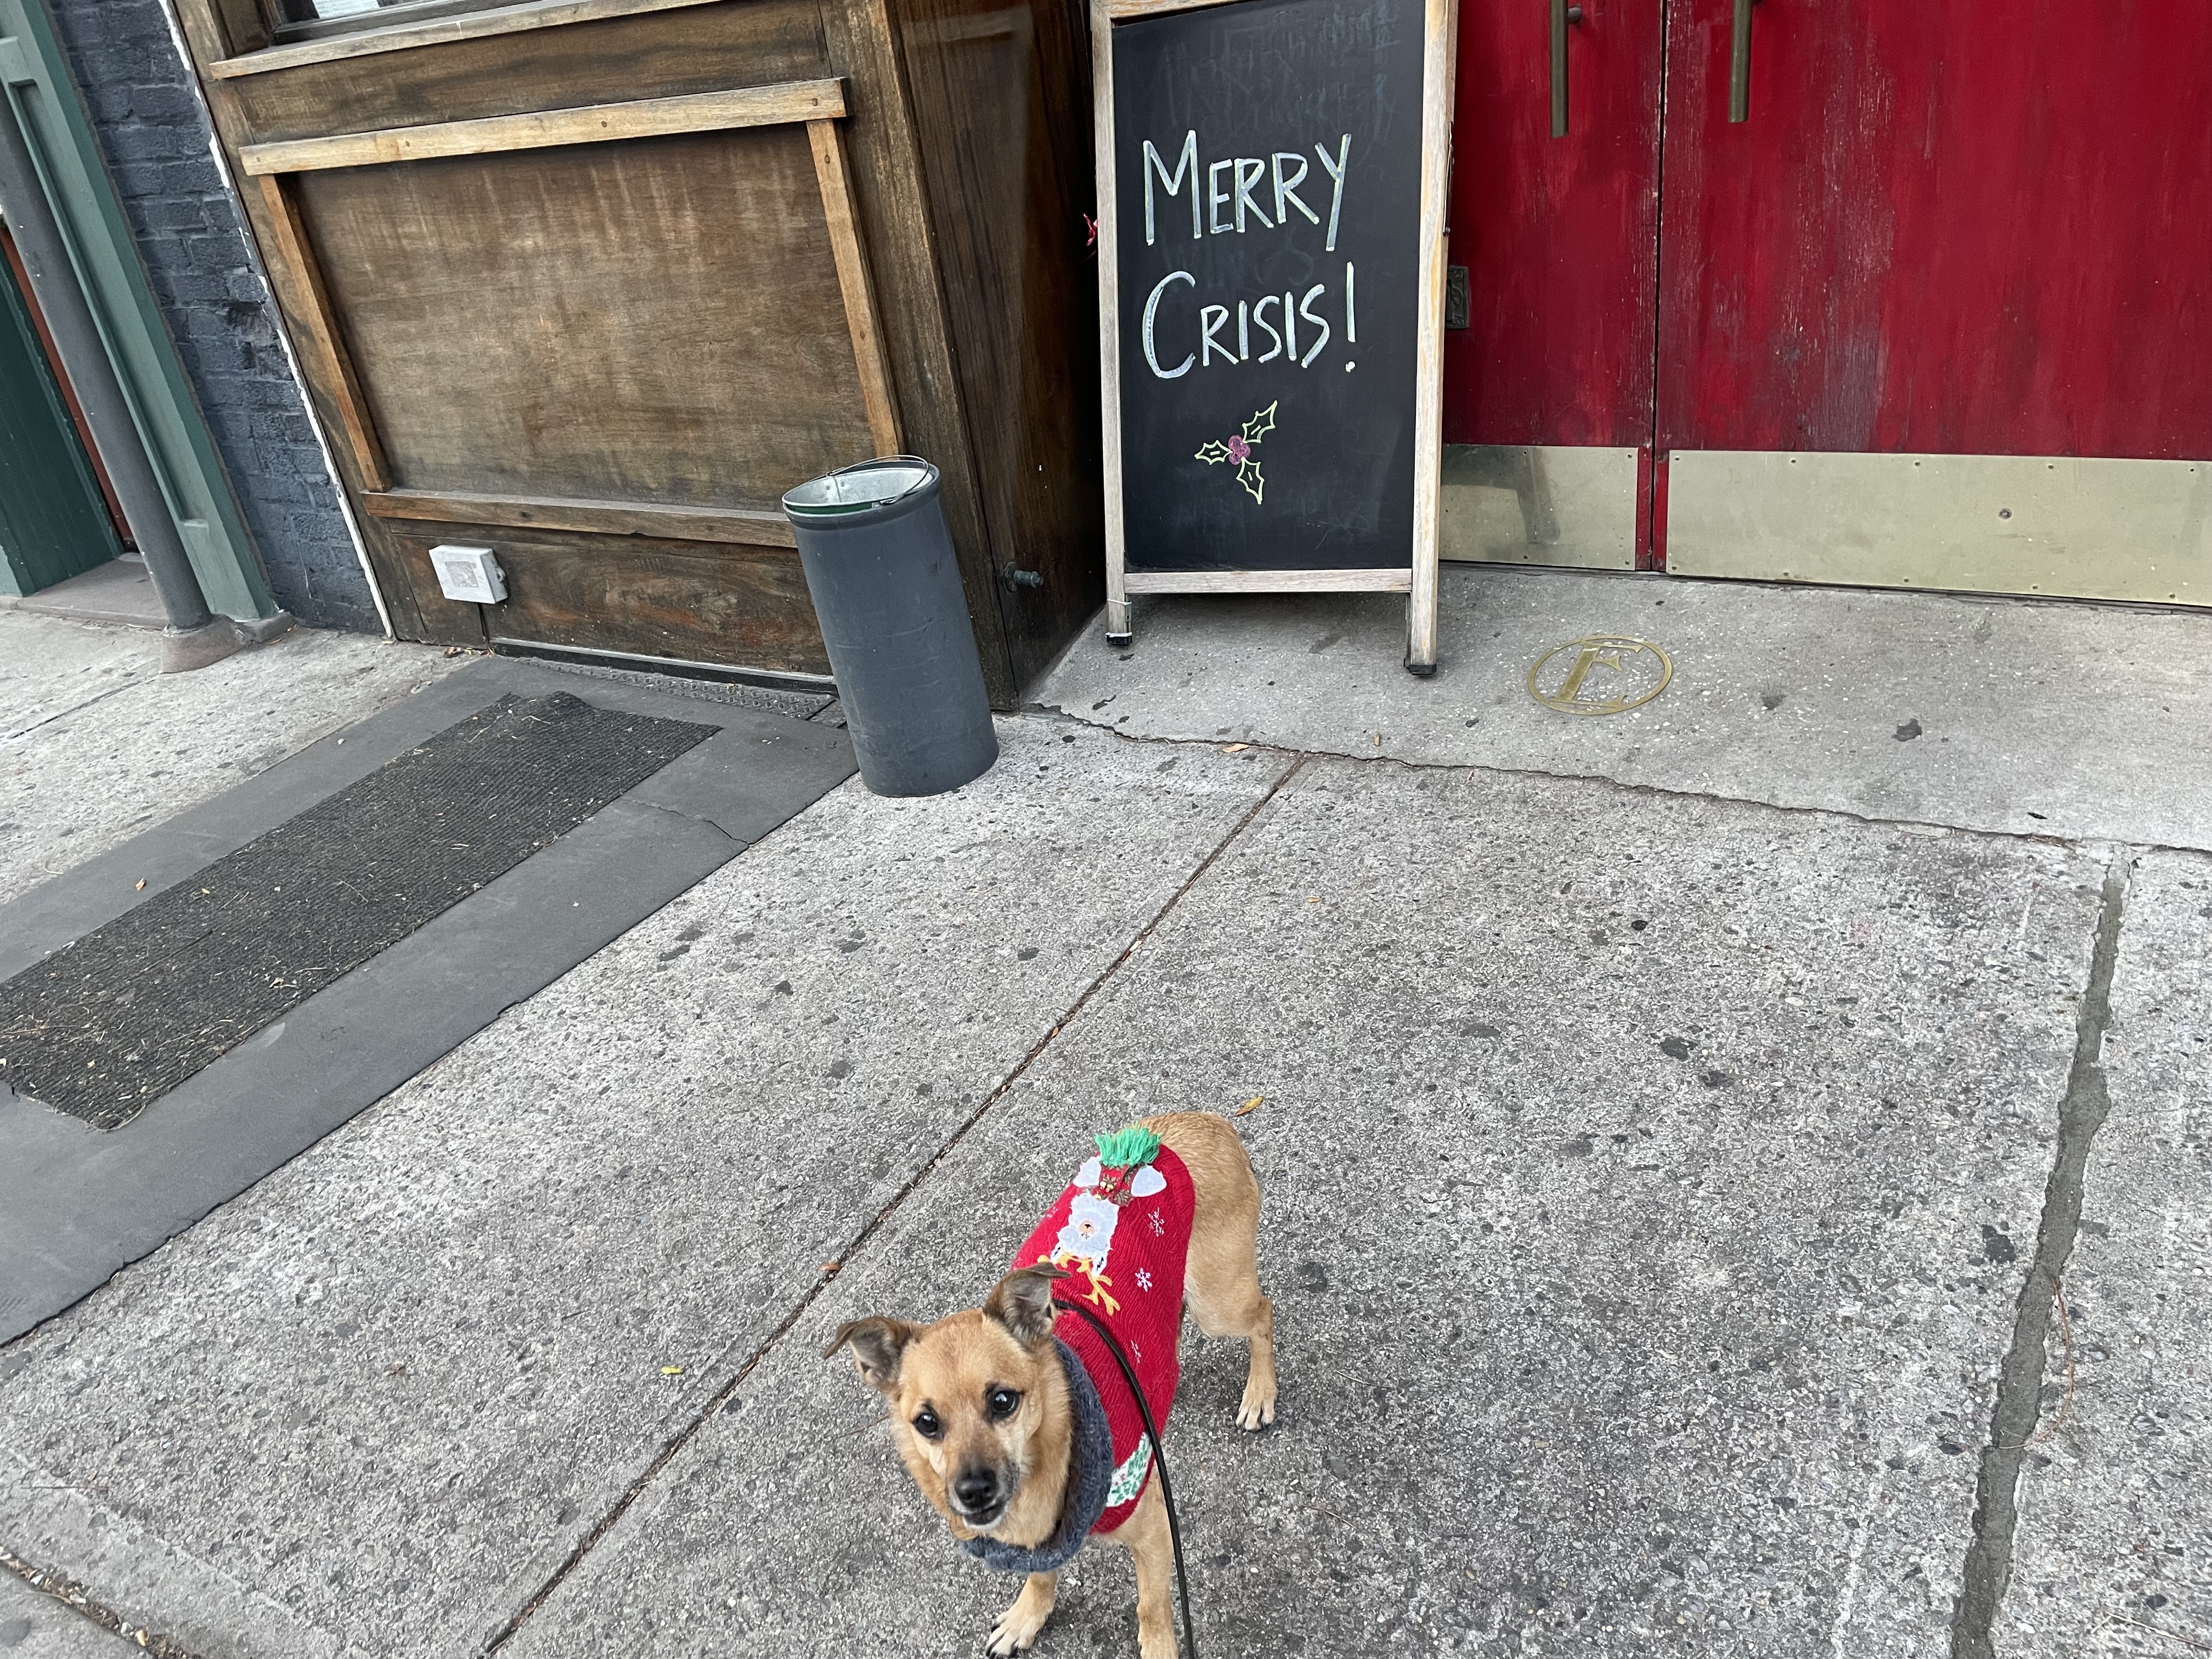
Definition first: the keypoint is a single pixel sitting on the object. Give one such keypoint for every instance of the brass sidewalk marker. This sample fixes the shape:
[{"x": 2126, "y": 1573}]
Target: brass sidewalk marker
[{"x": 1600, "y": 674}]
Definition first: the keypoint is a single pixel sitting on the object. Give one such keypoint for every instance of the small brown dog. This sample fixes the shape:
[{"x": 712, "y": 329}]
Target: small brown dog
[{"x": 1014, "y": 1417}]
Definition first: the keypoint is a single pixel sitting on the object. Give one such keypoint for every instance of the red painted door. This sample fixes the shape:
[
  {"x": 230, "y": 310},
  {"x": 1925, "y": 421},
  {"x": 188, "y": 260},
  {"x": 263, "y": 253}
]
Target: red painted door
[
  {"x": 1559, "y": 236},
  {"x": 1974, "y": 229}
]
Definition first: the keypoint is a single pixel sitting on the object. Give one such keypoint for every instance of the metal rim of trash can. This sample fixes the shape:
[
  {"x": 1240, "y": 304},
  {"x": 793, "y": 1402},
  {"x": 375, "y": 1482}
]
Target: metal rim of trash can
[{"x": 909, "y": 472}]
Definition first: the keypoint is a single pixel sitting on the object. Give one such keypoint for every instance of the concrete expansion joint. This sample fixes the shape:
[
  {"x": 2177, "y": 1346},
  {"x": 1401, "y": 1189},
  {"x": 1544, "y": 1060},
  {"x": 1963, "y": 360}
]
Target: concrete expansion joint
[
  {"x": 2013, "y": 1417},
  {"x": 721, "y": 1397},
  {"x": 63, "y": 714},
  {"x": 58, "y": 1587},
  {"x": 1538, "y": 775}
]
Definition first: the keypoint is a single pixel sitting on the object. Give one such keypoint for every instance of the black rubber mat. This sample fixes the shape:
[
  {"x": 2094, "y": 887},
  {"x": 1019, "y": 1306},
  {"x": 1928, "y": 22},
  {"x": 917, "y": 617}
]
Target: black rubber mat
[{"x": 103, "y": 1027}]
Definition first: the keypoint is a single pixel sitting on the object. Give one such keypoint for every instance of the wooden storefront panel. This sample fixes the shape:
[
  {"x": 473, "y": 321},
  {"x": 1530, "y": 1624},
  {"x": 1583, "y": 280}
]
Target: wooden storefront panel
[
  {"x": 659, "y": 321},
  {"x": 679, "y": 601},
  {"x": 643, "y": 318},
  {"x": 542, "y": 310}
]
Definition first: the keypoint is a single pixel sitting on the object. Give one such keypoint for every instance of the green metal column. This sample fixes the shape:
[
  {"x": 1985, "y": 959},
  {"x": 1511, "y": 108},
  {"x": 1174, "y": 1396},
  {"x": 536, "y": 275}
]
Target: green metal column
[
  {"x": 36, "y": 93},
  {"x": 53, "y": 523}
]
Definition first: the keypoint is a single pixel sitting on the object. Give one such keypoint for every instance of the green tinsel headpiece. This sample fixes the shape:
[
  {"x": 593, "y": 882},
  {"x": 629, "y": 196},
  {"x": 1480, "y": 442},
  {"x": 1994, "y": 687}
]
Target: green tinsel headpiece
[{"x": 1128, "y": 1149}]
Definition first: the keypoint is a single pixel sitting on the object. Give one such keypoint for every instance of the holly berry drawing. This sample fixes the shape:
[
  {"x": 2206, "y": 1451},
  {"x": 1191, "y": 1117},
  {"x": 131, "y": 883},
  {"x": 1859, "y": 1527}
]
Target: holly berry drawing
[{"x": 1239, "y": 450}]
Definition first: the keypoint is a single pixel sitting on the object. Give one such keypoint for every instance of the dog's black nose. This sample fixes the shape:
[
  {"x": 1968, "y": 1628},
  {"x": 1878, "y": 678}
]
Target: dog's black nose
[{"x": 976, "y": 1489}]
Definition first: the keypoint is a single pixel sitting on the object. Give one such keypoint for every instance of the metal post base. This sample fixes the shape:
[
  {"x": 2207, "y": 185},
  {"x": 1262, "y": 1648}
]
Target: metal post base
[{"x": 196, "y": 647}]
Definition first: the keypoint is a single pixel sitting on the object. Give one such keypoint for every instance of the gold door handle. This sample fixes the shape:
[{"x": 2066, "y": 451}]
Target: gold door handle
[
  {"x": 1740, "y": 61},
  {"x": 1562, "y": 15}
]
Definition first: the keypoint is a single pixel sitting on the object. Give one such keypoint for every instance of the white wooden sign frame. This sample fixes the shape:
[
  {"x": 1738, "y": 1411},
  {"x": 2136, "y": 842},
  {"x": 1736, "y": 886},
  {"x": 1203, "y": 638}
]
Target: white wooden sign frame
[{"x": 1419, "y": 579}]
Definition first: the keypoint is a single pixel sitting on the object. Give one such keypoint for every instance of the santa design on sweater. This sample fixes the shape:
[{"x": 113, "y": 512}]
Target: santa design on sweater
[{"x": 1121, "y": 1233}]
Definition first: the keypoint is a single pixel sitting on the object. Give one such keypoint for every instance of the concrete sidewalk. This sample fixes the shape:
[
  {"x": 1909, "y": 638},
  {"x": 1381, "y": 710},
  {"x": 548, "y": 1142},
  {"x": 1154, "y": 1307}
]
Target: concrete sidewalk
[{"x": 1671, "y": 1125}]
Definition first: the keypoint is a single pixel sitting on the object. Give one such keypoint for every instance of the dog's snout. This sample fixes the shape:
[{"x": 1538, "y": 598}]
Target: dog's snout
[{"x": 977, "y": 1488}]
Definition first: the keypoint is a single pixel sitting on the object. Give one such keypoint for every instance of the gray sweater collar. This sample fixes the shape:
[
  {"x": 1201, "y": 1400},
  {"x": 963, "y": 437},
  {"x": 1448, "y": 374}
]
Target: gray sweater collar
[{"x": 1090, "y": 1474}]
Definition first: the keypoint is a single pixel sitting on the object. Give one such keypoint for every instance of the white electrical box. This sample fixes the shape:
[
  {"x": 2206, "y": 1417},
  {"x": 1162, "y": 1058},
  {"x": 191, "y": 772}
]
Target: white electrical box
[{"x": 470, "y": 574}]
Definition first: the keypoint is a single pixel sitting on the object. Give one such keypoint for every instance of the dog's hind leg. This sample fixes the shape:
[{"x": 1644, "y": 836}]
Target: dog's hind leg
[
  {"x": 1018, "y": 1625},
  {"x": 1221, "y": 1275},
  {"x": 1225, "y": 1300}
]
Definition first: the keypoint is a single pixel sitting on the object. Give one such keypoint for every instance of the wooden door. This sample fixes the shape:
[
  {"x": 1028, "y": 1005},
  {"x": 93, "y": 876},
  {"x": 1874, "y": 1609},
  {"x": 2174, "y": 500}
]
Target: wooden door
[
  {"x": 1942, "y": 229},
  {"x": 1935, "y": 315},
  {"x": 1548, "y": 387},
  {"x": 1559, "y": 234},
  {"x": 1938, "y": 312},
  {"x": 591, "y": 284},
  {"x": 55, "y": 520}
]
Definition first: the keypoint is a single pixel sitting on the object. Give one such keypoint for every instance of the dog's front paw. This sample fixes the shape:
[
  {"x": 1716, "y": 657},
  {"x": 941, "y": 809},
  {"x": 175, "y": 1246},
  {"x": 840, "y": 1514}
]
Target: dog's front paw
[
  {"x": 1019, "y": 1626},
  {"x": 1258, "y": 1408}
]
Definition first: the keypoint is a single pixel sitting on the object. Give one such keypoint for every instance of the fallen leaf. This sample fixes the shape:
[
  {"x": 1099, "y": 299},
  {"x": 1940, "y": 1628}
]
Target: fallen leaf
[
  {"x": 831, "y": 1267},
  {"x": 1237, "y": 749},
  {"x": 1248, "y": 1106},
  {"x": 141, "y": 887},
  {"x": 672, "y": 1370}
]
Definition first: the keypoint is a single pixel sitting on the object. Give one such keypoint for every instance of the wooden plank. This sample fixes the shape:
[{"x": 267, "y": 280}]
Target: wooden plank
[
  {"x": 624, "y": 357},
  {"x": 1269, "y": 582},
  {"x": 1002, "y": 102},
  {"x": 245, "y": 25},
  {"x": 403, "y": 37},
  {"x": 749, "y": 527},
  {"x": 706, "y": 48},
  {"x": 774, "y": 679},
  {"x": 890, "y": 192},
  {"x": 1440, "y": 23},
  {"x": 1109, "y": 319},
  {"x": 730, "y": 605},
  {"x": 1121, "y": 11},
  {"x": 593, "y": 123},
  {"x": 295, "y": 268},
  {"x": 868, "y": 354}
]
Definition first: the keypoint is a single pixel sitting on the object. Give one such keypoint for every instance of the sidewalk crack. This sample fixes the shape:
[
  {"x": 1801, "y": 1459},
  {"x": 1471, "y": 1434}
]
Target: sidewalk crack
[
  {"x": 699, "y": 1418},
  {"x": 1988, "y": 1568},
  {"x": 1541, "y": 775}
]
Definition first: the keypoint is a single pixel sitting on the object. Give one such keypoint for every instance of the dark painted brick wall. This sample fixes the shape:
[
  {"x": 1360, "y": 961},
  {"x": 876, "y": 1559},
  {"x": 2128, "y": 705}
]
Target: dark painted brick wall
[{"x": 192, "y": 238}]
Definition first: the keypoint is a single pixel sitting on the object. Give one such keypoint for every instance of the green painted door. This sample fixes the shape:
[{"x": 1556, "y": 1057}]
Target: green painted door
[{"x": 53, "y": 523}]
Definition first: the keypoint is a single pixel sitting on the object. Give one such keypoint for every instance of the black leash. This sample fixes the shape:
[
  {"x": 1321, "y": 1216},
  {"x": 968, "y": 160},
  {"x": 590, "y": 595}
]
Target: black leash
[{"x": 1159, "y": 1462}]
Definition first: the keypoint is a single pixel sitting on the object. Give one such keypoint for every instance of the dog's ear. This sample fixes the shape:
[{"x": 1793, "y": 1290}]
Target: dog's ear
[
  {"x": 1022, "y": 1301},
  {"x": 877, "y": 1345}
]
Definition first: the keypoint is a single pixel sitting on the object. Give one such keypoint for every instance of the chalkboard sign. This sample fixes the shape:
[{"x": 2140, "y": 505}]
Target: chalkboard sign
[{"x": 1271, "y": 177}]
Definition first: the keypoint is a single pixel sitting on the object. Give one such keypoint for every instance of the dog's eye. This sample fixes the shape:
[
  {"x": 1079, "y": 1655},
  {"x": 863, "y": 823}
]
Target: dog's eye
[
  {"x": 1003, "y": 1404},
  {"x": 925, "y": 1424}
]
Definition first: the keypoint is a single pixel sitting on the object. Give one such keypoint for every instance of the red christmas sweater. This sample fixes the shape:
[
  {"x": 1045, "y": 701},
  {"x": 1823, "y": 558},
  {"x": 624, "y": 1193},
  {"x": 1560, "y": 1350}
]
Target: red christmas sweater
[{"x": 1121, "y": 1234}]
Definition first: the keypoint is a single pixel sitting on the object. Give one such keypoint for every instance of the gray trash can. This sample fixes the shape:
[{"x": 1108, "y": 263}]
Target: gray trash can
[{"x": 886, "y": 586}]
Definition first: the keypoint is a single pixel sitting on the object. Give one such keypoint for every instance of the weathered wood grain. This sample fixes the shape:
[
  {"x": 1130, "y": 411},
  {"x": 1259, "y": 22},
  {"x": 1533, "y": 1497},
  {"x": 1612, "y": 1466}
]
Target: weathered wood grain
[
  {"x": 705, "y": 48},
  {"x": 1269, "y": 582},
  {"x": 1109, "y": 319},
  {"x": 751, "y": 526},
  {"x": 845, "y": 247},
  {"x": 1440, "y": 25},
  {"x": 592, "y": 123},
  {"x": 883, "y": 153},
  {"x": 657, "y": 322},
  {"x": 1000, "y": 106},
  {"x": 692, "y": 601},
  {"x": 431, "y": 32},
  {"x": 298, "y": 274},
  {"x": 638, "y": 342}
]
